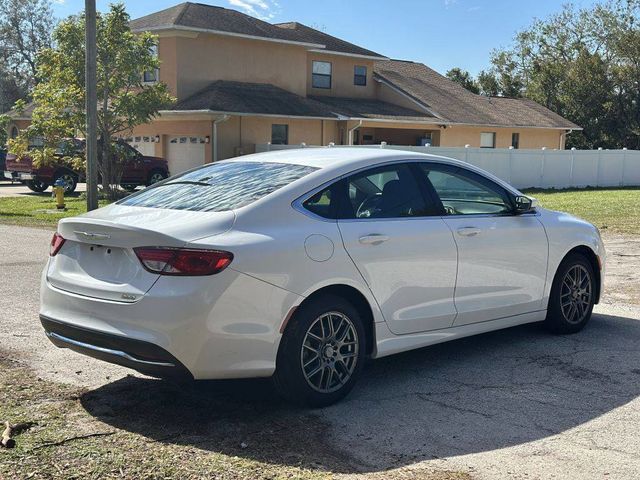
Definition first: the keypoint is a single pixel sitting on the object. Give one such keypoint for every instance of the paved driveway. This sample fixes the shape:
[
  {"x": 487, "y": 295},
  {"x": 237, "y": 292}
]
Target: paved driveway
[
  {"x": 8, "y": 189},
  {"x": 518, "y": 403}
]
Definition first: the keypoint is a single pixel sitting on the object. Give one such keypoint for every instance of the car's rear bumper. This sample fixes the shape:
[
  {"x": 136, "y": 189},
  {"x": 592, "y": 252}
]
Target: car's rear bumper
[
  {"x": 223, "y": 326},
  {"x": 19, "y": 176},
  {"x": 142, "y": 356}
]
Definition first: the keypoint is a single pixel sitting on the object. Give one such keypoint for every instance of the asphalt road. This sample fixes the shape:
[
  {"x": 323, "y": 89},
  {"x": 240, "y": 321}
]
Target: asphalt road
[
  {"x": 518, "y": 403},
  {"x": 8, "y": 189}
]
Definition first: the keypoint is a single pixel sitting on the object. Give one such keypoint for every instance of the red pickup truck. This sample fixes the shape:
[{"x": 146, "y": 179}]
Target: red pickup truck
[{"x": 138, "y": 170}]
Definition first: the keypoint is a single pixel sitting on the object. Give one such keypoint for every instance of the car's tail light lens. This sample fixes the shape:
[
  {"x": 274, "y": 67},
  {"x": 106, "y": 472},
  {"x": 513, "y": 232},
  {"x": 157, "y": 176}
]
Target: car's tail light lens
[
  {"x": 56, "y": 244},
  {"x": 183, "y": 261}
]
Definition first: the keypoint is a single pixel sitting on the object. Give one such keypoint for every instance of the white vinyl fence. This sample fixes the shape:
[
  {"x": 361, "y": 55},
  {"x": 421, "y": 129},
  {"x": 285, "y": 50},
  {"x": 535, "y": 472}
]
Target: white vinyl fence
[{"x": 535, "y": 168}]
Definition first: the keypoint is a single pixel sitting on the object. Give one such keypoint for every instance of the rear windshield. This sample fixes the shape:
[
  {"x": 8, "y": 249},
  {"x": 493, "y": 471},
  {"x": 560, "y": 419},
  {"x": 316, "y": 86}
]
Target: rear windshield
[{"x": 219, "y": 187}]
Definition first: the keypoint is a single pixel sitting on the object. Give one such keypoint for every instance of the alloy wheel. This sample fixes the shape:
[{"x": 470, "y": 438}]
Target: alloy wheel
[
  {"x": 155, "y": 178},
  {"x": 575, "y": 294},
  {"x": 69, "y": 182},
  {"x": 329, "y": 352}
]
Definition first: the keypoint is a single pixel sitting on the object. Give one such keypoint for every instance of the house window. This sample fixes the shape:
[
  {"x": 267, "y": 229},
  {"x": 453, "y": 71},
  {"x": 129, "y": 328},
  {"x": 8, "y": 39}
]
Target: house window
[
  {"x": 488, "y": 140},
  {"x": 152, "y": 75},
  {"x": 360, "y": 75},
  {"x": 515, "y": 140},
  {"x": 279, "y": 134},
  {"x": 14, "y": 131},
  {"x": 321, "y": 75}
]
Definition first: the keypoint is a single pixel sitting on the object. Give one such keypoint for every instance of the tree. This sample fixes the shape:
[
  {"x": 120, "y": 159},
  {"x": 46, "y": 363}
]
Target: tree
[
  {"x": 488, "y": 83},
  {"x": 25, "y": 29},
  {"x": 583, "y": 64},
  {"x": 464, "y": 78},
  {"x": 124, "y": 101}
]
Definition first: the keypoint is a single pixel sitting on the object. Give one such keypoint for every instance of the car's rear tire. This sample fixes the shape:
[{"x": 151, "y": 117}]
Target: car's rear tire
[
  {"x": 69, "y": 179},
  {"x": 573, "y": 294},
  {"x": 129, "y": 187},
  {"x": 156, "y": 176},
  {"x": 321, "y": 353},
  {"x": 36, "y": 185}
]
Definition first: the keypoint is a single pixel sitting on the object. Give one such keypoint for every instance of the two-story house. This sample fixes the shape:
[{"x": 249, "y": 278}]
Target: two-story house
[{"x": 240, "y": 81}]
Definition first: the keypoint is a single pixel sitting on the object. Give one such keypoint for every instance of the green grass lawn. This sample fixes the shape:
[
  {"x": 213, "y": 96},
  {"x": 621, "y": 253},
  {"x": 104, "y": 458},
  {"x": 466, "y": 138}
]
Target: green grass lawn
[
  {"x": 34, "y": 210},
  {"x": 615, "y": 210}
]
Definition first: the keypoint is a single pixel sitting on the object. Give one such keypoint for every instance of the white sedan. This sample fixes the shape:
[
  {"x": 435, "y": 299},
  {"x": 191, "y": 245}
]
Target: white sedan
[{"x": 301, "y": 264}]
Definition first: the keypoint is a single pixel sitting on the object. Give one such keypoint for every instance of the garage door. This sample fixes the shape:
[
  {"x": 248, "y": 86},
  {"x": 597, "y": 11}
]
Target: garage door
[
  {"x": 185, "y": 153},
  {"x": 145, "y": 145}
]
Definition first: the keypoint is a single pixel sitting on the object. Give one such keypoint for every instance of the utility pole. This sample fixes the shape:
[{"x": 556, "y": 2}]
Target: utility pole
[{"x": 91, "y": 105}]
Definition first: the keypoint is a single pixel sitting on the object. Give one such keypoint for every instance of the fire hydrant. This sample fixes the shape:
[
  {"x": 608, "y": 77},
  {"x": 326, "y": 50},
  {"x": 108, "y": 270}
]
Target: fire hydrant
[{"x": 58, "y": 191}]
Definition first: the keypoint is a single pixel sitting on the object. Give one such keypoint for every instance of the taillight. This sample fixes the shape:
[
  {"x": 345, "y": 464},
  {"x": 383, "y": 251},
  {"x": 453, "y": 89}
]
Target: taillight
[
  {"x": 56, "y": 244},
  {"x": 183, "y": 261}
]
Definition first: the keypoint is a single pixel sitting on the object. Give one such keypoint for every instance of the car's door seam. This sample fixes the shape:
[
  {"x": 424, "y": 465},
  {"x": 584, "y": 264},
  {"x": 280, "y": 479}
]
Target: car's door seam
[{"x": 455, "y": 284}]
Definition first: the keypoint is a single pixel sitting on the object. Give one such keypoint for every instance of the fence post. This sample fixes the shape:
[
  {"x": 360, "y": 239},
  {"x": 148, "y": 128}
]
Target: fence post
[
  {"x": 624, "y": 164},
  {"x": 544, "y": 157}
]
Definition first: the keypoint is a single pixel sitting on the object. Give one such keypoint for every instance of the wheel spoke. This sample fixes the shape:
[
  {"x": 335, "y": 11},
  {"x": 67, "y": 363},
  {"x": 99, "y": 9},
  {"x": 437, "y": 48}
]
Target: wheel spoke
[{"x": 327, "y": 360}]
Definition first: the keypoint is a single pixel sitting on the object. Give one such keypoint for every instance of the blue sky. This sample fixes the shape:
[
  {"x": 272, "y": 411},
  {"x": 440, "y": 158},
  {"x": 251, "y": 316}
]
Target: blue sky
[{"x": 440, "y": 33}]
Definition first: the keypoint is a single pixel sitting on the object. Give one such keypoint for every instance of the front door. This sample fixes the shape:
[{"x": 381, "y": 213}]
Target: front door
[
  {"x": 502, "y": 257},
  {"x": 401, "y": 246}
]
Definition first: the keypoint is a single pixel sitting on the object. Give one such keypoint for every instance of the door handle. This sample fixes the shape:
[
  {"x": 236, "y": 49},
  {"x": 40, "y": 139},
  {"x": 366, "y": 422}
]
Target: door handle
[
  {"x": 469, "y": 231},
  {"x": 373, "y": 239}
]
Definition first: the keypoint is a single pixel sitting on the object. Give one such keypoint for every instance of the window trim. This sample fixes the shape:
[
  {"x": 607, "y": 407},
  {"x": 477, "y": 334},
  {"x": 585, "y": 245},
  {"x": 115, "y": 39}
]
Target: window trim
[
  {"x": 502, "y": 191},
  {"x": 356, "y": 75},
  {"x": 297, "y": 204},
  {"x": 494, "y": 139},
  {"x": 330, "y": 75},
  {"x": 286, "y": 140},
  {"x": 155, "y": 71},
  {"x": 515, "y": 136}
]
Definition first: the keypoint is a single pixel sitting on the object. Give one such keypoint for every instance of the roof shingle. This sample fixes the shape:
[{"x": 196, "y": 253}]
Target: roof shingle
[
  {"x": 453, "y": 103},
  {"x": 219, "y": 19},
  {"x": 253, "y": 98},
  {"x": 363, "y": 108}
]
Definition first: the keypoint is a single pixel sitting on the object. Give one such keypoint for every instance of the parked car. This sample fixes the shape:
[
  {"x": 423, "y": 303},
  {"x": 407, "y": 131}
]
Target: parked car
[
  {"x": 138, "y": 170},
  {"x": 300, "y": 264}
]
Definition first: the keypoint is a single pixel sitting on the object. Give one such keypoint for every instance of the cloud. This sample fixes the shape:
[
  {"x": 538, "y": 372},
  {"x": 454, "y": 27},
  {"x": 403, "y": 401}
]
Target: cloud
[
  {"x": 448, "y": 3},
  {"x": 262, "y": 9},
  {"x": 59, "y": 2}
]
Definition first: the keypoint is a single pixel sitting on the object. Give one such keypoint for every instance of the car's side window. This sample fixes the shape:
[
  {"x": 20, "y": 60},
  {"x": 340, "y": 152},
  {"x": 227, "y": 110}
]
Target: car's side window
[
  {"x": 390, "y": 191},
  {"x": 384, "y": 192},
  {"x": 463, "y": 192},
  {"x": 320, "y": 203}
]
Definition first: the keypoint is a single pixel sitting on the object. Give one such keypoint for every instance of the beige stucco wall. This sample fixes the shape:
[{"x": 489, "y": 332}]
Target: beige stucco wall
[
  {"x": 197, "y": 60},
  {"x": 459, "y": 136},
  {"x": 342, "y": 73},
  {"x": 389, "y": 95},
  {"x": 241, "y": 134}
]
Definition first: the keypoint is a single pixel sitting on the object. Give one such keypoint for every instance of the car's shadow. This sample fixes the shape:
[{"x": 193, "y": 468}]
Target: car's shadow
[{"x": 481, "y": 393}]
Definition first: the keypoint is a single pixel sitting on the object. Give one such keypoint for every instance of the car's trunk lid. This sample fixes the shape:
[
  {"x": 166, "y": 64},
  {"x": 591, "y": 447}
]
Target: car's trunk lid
[{"x": 98, "y": 258}]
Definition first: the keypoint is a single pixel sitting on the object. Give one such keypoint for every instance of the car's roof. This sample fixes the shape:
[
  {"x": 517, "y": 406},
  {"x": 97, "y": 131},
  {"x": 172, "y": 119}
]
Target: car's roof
[
  {"x": 333, "y": 162},
  {"x": 328, "y": 157}
]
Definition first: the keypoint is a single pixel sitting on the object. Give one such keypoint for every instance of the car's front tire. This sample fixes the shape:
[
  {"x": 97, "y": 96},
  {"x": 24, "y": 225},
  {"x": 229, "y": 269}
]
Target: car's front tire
[
  {"x": 70, "y": 181},
  {"x": 37, "y": 185},
  {"x": 573, "y": 295},
  {"x": 321, "y": 353}
]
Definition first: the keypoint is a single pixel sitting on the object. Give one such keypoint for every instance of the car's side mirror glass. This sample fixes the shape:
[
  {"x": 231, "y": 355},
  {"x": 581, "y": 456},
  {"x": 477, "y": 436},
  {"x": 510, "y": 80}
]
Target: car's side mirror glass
[{"x": 524, "y": 204}]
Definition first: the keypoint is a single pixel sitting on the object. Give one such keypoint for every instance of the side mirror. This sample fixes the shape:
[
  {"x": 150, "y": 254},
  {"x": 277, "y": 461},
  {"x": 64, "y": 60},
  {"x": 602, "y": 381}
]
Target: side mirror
[{"x": 524, "y": 204}]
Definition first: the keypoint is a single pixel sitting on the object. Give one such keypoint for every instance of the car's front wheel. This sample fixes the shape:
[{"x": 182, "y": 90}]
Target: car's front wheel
[
  {"x": 156, "y": 176},
  {"x": 37, "y": 185},
  {"x": 321, "y": 353},
  {"x": 70, "y": 181},
  {"x": 573, "y": 295}
]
